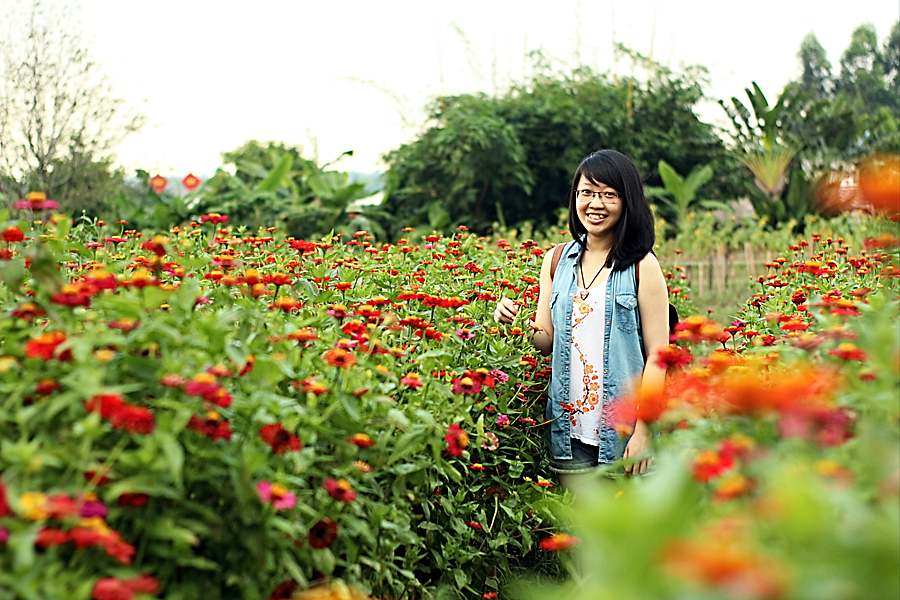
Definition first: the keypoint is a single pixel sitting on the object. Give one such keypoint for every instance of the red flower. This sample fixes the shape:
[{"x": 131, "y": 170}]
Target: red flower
[
  {"x": 557, "y": 542},
  {"x": 44, "y": 346},
  {"x": 848, "y": 352},
  {"x": 212, "y": 426},
  {"x": 709, "y": 464},
  {"x": 214, "y": 218},
  {"x": 110, "y": 588},
  {"x": 134, "y": 419},
  {"x": 133, "y": 499},
  {"x": 13, "y": 234},
  {"x": 47, "y": 386},
  {"x": 340, "y": 490},
  {"x": 49, "y": 537},
  {"x": 475, "y": 525},
  {"x": 466, "y": 385},
  {"x": 673, "y": 356},
  {"x": 457, "y": 440},
  {"x": 323, "y": 533},
  {"x": 280, "y": 439},
  {"x": 412, "y": 380},
  {"x": 105, "y": 404},
  {"x": 4, "y": 506},
  {"x": 285, "y": 590}
]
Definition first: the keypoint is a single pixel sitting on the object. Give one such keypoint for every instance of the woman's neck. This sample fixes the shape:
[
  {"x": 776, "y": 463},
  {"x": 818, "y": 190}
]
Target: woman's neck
[{"x": 601, "y": 246}]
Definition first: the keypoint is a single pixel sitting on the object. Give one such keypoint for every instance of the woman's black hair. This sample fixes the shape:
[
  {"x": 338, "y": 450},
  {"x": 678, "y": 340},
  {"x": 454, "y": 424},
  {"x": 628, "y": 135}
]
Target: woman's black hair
[{"x": 634, "y": 235}]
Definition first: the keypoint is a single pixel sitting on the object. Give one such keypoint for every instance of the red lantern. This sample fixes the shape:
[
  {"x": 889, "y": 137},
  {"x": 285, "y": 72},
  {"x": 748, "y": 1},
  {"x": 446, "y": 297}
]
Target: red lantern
[
  {"x": 190, "y": 182},
  {"x": 158, "y": 183}
]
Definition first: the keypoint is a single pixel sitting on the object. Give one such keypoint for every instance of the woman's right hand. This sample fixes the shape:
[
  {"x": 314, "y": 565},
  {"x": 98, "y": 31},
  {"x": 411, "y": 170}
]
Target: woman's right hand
[{"x": 506, "y": 310}]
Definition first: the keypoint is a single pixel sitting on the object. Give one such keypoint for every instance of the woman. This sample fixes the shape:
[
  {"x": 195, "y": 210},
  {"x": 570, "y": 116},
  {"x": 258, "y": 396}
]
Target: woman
[{"x": 596, "y": 320}]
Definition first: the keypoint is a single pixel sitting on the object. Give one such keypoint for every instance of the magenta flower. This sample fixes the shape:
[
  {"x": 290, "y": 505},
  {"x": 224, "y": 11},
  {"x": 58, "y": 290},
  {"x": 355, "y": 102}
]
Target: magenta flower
[
  {"x": 502, "y": 421},
  {"x": 36, "y": 201},
  {"x": 92, "y": 508},
  {"x": 4, "y": 535},
  {"x": 276, "y": 494}
]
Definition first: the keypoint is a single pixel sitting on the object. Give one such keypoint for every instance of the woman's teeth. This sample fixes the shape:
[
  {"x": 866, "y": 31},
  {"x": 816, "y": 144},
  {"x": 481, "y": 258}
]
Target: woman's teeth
[{"x": 595, "y": 218}]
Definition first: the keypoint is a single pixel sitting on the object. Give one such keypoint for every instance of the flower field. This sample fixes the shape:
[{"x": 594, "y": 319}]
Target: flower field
[{"x": 220, "y": 413}]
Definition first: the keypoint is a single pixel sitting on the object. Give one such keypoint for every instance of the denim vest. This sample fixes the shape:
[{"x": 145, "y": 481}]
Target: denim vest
[{"x": 622, "y": 357}]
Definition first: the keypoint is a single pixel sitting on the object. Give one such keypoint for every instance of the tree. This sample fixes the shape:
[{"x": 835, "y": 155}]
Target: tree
[
  {"x": 509, "y": 158},
  {"x": 59, "y": 117},
  {"x": 815, "y": 79}
]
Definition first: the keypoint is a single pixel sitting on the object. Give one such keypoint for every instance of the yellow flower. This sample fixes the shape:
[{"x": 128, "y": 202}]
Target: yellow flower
[
  {"x": 104, "y": 355},
  {"x": 32, "y": 505},
  {"x": 7, "y": 363}
]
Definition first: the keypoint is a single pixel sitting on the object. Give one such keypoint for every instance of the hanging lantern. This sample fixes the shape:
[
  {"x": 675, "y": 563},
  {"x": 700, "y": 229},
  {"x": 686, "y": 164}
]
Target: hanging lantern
[
  {"x": 158, "y": 183},
  {"x": 190, "y": 182}
]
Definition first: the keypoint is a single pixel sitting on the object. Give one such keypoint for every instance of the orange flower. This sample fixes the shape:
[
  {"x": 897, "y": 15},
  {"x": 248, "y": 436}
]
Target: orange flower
[
  {"x": 338, "y": 357},
  {"x": 361, "y": 440},
  {"x": 557, "y": 542}
]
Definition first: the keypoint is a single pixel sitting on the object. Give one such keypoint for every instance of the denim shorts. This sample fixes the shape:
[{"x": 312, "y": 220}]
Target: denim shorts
[{"x": 584, "y": 459}]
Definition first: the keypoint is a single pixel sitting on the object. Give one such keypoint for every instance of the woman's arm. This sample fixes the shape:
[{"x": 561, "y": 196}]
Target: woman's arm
[
  {"x": 542, "y": 330},
  {"x": 542, "y": 327},
  {"x": 653, "y": 304}
]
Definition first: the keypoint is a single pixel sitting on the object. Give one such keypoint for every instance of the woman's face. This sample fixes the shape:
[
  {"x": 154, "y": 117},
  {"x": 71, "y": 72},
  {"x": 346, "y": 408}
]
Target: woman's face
[{"x": 598, "y": 206}]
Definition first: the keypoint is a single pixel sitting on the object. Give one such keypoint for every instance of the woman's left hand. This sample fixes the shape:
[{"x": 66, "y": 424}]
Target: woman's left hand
[{"x": 638, "y": 445}]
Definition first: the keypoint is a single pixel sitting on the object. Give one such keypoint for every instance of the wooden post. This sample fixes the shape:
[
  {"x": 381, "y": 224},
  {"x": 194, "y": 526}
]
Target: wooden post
[{"x": 719, "y": 268}]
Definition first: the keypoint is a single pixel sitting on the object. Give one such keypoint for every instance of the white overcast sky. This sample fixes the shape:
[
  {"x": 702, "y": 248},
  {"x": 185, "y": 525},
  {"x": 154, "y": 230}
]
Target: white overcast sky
[{"x": 338, "y": 75}]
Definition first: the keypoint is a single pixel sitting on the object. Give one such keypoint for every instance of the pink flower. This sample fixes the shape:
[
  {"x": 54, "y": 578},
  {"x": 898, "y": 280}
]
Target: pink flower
[
  {"x": 465, "y": 334},
  {"x": 502, "y": 421},
  {"x": 276, "y": 494},
  {"x": 500, "y": 375}
]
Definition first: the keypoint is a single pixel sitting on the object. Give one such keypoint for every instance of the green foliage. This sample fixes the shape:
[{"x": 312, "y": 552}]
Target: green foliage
[
  {"x": 806, "y": 509},
  {"x": 423, "y": 519},
  {"x": 509, "y": 158},
  {"x": 264, "y": 185},
  {"x": 679, "y": 194},
  {"x": 469, "y": 167}
]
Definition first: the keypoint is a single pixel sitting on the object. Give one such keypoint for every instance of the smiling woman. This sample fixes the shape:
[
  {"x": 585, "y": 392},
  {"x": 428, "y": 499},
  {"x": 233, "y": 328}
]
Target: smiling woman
[{"x": 595, "y": 321}]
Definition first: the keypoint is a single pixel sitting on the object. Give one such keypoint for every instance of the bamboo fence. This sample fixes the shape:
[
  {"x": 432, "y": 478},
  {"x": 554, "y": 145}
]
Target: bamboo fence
[{"x": 722, "y": 270}]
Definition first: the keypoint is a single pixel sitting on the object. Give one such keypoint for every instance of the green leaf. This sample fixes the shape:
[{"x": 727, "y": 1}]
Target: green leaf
[
  {"x": 174, "y": 455},
  {"x": 278, "y": 176}
]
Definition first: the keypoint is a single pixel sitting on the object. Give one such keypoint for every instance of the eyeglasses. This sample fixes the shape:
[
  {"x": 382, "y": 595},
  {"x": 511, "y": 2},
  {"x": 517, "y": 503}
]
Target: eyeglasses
[{"x": 608, "y": 197}]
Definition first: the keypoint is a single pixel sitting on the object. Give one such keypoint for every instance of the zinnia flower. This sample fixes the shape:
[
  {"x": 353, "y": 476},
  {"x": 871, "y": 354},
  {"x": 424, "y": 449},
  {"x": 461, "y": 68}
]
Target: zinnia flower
[
  {"x": 338, "y": 357},
  {"x": 340, "y": 490},
  {"x": 412, "y": 380},
  {"x": 323, "y": 533},
  {"x": 557, "y": 542},
  {"x": 361, "y": 440},
  {"x": 110, "y": 588},
  {"x": 457, "y": 440},
  {"x": 276, "y": 494},
  {"x": 466, "y": 385},
  {"x": 280, "y": 439},
  {"x": 44, "y": 346}
]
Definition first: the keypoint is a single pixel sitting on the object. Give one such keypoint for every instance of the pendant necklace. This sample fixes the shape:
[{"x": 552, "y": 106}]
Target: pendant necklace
[{"x": 586, "y": 292}]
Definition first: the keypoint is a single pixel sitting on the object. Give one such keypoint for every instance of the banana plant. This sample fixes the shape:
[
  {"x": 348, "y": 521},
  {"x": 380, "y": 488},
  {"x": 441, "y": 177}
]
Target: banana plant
[
  {"x": 761, "y": 144},
  {"x": 679, "y": 193}
]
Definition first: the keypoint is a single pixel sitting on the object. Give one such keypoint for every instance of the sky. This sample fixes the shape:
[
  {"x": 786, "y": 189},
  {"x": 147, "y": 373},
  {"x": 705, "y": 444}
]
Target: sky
[{"x": 341, "y": 75}]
